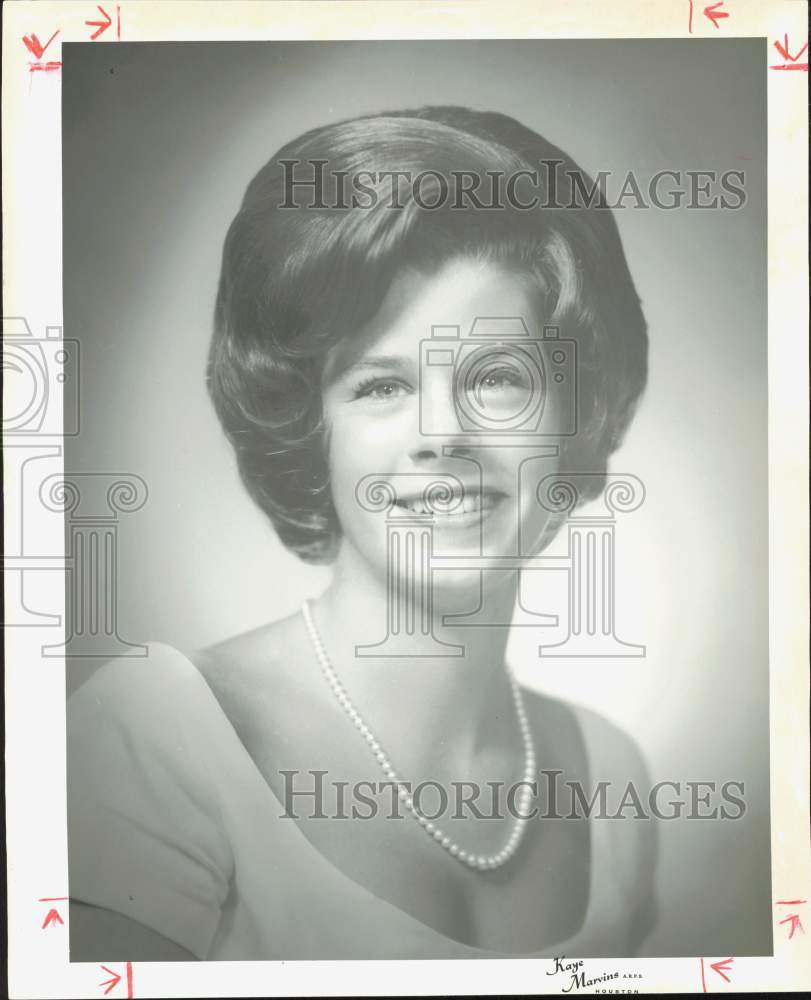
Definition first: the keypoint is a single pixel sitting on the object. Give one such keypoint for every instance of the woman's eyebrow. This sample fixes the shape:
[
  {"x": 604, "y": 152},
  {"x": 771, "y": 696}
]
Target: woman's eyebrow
[{"x": 380, "y": 361}]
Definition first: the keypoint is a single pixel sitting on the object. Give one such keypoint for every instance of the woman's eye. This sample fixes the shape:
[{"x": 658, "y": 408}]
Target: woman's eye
[
  {"x": 380, "y": 389},
  {"x": 500, "y": 378}
]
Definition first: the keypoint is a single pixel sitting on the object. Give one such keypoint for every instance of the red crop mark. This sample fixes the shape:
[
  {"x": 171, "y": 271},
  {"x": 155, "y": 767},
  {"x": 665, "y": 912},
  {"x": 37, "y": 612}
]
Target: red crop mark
[
  {"x": 791, "y": 61},
  {"x": 118, "y": 22},
  {"x": 35, "y": 46},
  {"x": 41, "y": 67},
  {"x": 112, "y": 982},
  {"x": 100, "y": 26},
  {"x": 52, "y": 918},
  {"x": 115, "y": 979},
  {"x": 714, "y": 13},
  {"x": 722, "y": 967},
  {"x": 794, "y": 920},
  {"x": 37, "y": 49}
]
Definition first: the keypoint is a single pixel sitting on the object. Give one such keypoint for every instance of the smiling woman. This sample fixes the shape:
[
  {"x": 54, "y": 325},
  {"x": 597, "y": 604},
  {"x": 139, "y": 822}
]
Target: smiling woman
[
  {"x": 396, "y": 377},
  {"x": 304, "y": 280},
  {"x": 387, "y": 416}
]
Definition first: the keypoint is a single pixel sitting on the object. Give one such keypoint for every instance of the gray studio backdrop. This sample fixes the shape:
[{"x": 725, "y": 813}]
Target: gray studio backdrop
[{"x": 159, "y": 143}]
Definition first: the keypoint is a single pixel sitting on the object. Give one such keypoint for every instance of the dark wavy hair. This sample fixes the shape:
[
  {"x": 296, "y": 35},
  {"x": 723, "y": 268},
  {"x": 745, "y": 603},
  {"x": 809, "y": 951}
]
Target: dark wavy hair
[{"x": 297, "y": 281}]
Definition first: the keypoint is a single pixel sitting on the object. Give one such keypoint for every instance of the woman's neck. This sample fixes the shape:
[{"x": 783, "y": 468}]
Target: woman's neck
[{"x": 427, "y": 710}]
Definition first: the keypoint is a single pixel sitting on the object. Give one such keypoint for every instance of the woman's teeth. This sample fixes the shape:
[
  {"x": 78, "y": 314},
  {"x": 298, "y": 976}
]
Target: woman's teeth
[{"x": 470, "y": 503}]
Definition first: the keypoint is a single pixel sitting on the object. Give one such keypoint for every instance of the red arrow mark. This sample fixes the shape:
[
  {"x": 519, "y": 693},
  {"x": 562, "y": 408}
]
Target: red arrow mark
[
  {"x": 110, "y": 983},
  {"x": 795, "y": 923},
  {"x": 116, "y": 979},
  {"x": 35, "y": 46},
  {"x": 52, "y": 918},
  {"x": 722, "y": 967},
  {"x": 714, "y": 14},
  {"x": 791, "y": 62},
  {"x": 784, "y": 52},
  {"x": 100, "y": 25}
]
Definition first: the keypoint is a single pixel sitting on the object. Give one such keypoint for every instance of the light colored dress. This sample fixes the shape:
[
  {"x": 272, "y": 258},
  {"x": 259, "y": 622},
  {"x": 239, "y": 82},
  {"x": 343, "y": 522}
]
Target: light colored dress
[{"x": 172, "y": 824}]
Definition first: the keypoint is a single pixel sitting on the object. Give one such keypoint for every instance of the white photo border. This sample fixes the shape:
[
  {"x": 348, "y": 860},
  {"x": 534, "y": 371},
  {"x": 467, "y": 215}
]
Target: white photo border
[{"x": 35, "y": 685}]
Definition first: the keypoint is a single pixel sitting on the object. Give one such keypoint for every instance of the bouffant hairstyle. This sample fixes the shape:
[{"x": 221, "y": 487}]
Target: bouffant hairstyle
[{"x": 296, "y": 281}]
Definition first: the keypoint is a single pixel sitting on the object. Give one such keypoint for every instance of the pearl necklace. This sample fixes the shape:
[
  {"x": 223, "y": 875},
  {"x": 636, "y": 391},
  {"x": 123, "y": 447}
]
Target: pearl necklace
[{"x": 482, "y": 862}]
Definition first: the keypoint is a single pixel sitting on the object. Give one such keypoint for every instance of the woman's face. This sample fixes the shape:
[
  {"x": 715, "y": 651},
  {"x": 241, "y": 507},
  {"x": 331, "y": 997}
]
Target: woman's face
[{"x": 409, "y": 410}]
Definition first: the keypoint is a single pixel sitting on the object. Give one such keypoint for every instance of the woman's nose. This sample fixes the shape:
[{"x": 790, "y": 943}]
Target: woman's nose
[{"x": 438, "y": 426}]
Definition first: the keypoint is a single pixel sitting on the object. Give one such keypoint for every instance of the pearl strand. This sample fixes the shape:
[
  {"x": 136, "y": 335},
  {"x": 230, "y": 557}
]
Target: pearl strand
[{"x": 481, "y": 862}]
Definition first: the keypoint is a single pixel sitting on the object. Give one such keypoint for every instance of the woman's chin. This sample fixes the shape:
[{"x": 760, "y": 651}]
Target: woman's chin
[{"x": 463, "y": 591}]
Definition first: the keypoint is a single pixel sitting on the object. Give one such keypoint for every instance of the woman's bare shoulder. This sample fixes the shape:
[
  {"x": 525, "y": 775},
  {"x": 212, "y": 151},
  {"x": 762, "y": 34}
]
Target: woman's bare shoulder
[
  {"x": 155, "y": 670},
  {"x": 258, "y": 675},
  {"x": 614, "y": 752},
  {"x": 264, "y": 653},
  {"x": 256, "y": 645}
]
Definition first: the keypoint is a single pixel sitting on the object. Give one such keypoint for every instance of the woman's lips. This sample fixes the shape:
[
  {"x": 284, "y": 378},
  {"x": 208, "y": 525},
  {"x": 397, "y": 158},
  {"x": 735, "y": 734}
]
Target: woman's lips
[{"x": 469, "y": 510}]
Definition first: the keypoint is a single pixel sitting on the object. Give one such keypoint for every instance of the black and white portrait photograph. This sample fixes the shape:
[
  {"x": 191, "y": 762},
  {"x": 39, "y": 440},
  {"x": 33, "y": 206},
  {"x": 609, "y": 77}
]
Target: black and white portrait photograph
[
  {"x": 437, "y": 373},
  {"x": 405, "y": 477},
  {"x": 417, "y": 525}
]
